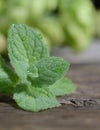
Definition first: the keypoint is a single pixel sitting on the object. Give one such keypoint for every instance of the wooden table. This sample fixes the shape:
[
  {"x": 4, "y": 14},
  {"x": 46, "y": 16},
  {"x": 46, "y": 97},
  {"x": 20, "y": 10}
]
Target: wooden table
[{"x": 79, "y": 111}]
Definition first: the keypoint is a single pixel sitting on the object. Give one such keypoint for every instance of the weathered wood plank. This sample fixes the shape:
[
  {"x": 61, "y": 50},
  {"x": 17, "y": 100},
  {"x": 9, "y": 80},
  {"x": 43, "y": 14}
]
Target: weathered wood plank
[
  {"x": 79, "y": 111},
  {"x": 64, "y": 118}
]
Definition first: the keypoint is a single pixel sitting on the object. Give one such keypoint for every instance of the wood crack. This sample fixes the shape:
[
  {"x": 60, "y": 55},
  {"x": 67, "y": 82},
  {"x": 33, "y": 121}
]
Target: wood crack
[{"x": 76, "y": 102}]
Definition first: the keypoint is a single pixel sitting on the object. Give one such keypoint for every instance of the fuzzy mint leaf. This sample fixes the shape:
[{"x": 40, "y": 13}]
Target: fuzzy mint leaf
[
  {"x": 62, "y": 87},
  {"x": 25, "y": 48},
  {"x": 8, "y": 79},
  {"x": 50, "y": 70},
  {"x": 34, "y": 99}
]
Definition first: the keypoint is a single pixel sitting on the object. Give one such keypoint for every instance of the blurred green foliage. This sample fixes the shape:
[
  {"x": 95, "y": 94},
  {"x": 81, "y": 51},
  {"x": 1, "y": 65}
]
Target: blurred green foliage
[
  {"x": 77, "y": 19},
  {"x": 97, "y": 25},
  {"x": 68, "y": 22}
]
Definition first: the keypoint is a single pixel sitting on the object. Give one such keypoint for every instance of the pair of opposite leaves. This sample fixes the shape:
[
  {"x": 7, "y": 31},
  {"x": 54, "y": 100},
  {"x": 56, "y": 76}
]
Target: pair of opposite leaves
[{"x": 39, "y": 78}]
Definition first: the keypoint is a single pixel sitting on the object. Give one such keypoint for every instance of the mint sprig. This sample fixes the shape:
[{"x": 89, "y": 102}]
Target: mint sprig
[{"x": 38, "y": 77}]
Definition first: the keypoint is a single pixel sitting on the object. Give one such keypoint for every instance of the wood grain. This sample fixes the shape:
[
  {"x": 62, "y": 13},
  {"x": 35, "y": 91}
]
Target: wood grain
[{"x": 79, "y": 111}]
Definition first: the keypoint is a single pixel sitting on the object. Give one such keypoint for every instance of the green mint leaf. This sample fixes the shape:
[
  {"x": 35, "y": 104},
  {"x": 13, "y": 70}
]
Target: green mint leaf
[
  {"x": 62, "y": 87},
  {"x": 25, "y": 47},
  {"x": 34, "y": 99},
  {"x": 50, "y": 70},
  {"x": 8, "y": 79}
]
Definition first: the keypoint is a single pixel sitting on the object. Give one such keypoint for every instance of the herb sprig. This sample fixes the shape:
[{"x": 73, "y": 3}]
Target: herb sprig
[{"x": 37, "y": 78}]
